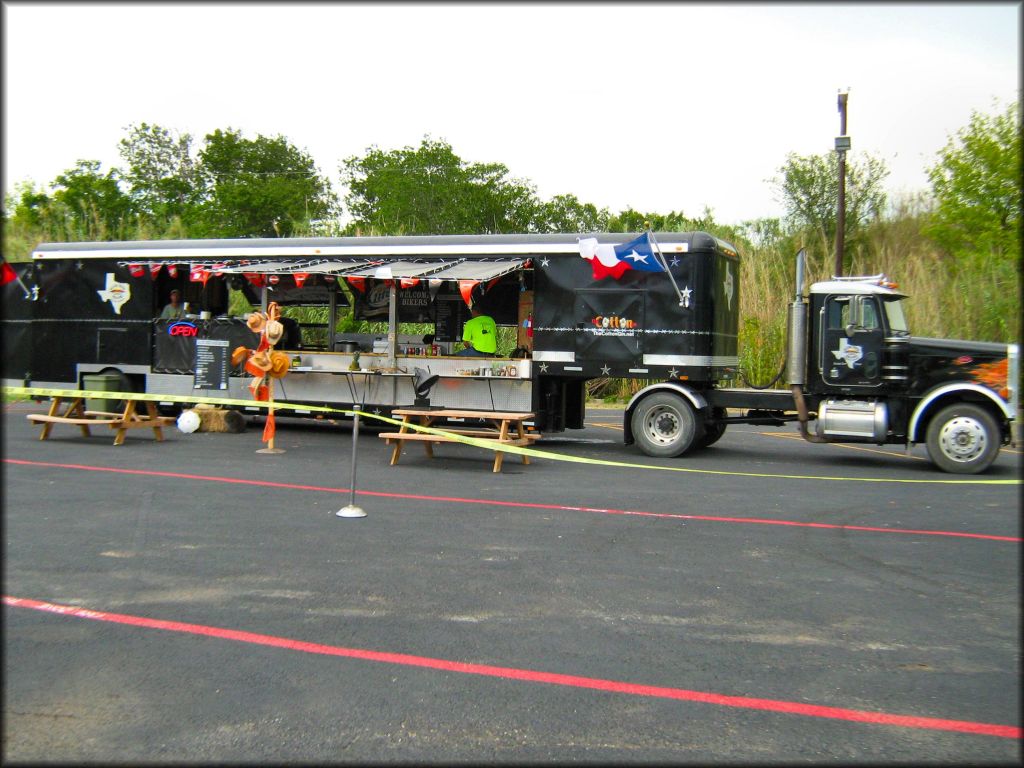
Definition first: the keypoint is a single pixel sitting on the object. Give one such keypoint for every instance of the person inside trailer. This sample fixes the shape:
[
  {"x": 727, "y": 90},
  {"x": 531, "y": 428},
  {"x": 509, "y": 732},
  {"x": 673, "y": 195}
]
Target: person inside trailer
[
  {"x": 174, "y": 310},
  {"x": 480, "y": 335}
]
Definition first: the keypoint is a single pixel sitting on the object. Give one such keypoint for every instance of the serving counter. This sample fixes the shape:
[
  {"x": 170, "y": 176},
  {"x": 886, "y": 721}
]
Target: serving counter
[{"x": 504, "y": 384}]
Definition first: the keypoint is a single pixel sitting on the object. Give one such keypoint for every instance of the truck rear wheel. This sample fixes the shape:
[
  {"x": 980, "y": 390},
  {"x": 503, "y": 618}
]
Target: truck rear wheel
[
  {"x": 665, "y": 425},
  {"x": 713, "y": 429},
  {"x": 963, "y": 438}
]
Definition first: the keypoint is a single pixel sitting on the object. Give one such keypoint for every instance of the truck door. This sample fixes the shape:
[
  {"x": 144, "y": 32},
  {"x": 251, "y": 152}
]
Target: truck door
[
  {"x": 851, "y": 341},
  {"x": 609, "y": 325}
]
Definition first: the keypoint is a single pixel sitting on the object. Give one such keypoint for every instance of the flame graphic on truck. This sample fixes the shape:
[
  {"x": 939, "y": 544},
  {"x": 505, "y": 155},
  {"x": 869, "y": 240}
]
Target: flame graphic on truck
[{"x": 994, "y": 375}]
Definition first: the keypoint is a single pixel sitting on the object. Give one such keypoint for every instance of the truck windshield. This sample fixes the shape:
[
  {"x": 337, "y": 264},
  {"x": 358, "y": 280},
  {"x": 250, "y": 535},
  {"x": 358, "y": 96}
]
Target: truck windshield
[{"x": 894, "y": 315}]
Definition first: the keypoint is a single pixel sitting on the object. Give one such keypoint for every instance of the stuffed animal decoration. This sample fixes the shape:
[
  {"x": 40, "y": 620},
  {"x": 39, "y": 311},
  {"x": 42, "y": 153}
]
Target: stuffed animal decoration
[{"x": 264, "y": 363}]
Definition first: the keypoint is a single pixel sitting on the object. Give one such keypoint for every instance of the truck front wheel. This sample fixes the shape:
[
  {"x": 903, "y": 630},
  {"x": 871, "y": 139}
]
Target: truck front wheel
[
  {"x": 963, "y": 438},
  {"x": 665, "y": 425}
]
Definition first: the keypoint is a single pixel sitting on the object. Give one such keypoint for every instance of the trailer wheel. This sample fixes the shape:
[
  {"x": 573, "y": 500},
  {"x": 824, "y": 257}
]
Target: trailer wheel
[
  {"x": 665, "y": 425},
  {"x": 963, "y": 438},
  {"x": 714, "y": 428}
]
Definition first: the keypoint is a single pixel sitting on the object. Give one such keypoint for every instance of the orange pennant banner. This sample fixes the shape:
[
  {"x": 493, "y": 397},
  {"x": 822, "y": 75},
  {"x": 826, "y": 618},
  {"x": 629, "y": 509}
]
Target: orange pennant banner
[{"x": 466, "y": 289}]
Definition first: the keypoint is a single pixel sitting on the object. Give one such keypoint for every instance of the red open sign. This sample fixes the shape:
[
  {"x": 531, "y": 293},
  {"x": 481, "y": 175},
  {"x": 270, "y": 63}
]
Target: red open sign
[{"x": 182, "y": 329}]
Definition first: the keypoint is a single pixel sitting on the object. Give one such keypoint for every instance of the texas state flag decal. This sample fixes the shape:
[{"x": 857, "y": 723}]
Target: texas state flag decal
[{"x": 616, "y": 260}]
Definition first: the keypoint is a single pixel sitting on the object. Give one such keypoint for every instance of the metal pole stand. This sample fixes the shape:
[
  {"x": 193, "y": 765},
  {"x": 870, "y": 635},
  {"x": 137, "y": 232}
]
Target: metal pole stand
[
  {"x": 270, "y": 443},
  {"x": 351, "y": 509}
]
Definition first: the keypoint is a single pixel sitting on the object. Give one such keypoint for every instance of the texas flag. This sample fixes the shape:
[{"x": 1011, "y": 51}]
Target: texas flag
[
  {"x": 616, "y": 260},
  {"x": 7, "y": 273}
]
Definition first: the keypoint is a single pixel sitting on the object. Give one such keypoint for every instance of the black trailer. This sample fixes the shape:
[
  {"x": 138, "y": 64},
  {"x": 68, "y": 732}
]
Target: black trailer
[{"x": 667, "y": 308}]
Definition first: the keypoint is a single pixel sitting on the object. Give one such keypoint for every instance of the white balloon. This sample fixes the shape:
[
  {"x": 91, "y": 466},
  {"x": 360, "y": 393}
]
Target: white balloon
[{"x": 188, "y": 421}]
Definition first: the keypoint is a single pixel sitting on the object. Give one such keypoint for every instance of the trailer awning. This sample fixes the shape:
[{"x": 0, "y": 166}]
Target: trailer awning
[
  {"x": 479, "y": 270},
  {"x": 463, "y": 269},
  {"x": 381, "y": 269}
]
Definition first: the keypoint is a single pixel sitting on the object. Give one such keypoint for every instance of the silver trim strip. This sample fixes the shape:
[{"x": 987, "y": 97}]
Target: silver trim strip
[
  {"x": 691, "y": 360},
  {"x": 554, "y": 356}
]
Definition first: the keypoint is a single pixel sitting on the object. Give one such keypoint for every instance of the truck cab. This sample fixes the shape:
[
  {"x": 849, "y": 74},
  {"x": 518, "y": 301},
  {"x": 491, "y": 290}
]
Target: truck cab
[
  {"x": 859, "y": 336},
  {"x": 870, "y": 380},
  {"x": 856, "y": 375}
]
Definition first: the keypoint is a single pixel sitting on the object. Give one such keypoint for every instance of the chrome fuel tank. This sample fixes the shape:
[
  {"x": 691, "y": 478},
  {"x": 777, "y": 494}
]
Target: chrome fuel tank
[{"x": 857, "y": 420}]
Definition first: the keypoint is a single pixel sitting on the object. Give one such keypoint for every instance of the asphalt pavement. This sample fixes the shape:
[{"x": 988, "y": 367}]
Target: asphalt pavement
[{"x": 765, "y": 600}]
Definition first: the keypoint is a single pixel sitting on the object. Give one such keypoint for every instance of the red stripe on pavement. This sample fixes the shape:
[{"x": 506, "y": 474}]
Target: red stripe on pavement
[
  {"x": 529, "y": 675},
  {"x": 521, "y": 504}
]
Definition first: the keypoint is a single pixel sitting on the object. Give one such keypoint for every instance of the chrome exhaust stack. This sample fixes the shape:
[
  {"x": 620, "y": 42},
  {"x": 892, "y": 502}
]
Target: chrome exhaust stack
[{"x": 796, "y": 357}]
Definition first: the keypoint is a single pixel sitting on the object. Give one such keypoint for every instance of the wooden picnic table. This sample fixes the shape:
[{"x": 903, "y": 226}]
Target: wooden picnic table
[
  {"x": 75, "y": 414},
  {"x": 507, "y": 428}
]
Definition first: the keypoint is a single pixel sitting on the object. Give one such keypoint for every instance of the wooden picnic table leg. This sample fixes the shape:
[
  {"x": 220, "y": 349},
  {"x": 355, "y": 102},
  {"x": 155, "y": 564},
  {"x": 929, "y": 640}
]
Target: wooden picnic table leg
[
  {"x": 426, "y": 421},
  {"x": 154, "y": 414},
  {"x": 126, "y": 417},
  {"x": 396, "y": 450},
  {"x": 521, "y": 434},
  {"x": 54, "y": 406},
  {"x": 499, "y": 455},
  {"x": 48, "y": 425},
  {"x": 77, "y": 411}
]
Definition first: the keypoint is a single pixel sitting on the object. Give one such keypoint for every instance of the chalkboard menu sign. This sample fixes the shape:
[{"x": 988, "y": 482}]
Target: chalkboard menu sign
[
  {"x": 450, "y": 316},
  {"x": 211, "y": 364},
  {"x": 414, "y": 304}
]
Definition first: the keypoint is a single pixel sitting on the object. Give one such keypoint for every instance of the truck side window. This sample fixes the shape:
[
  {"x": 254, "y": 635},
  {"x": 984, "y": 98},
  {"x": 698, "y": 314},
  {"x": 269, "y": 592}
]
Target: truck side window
[
  {"x": 838, "y": 312},
  {"x": 870, "y": 314}
]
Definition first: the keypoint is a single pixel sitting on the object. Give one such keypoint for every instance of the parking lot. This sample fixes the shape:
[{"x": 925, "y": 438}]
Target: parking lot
[{"x": 765, "y": 600}]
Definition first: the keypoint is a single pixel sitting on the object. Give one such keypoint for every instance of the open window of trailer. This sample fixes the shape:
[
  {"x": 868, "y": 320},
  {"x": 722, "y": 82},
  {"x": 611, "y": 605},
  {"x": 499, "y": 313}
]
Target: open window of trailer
[{"x": 427, "y": 300}]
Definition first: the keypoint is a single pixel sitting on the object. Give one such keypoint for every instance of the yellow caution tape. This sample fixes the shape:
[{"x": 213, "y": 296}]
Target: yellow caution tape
[
  {"x": 454, "y": 436},
  {"x": 188, "y": 399}
]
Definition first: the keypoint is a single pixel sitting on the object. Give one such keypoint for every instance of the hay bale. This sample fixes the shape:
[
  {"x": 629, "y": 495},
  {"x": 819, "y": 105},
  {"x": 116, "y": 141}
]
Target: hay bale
[{"x": 213, "y": 419}]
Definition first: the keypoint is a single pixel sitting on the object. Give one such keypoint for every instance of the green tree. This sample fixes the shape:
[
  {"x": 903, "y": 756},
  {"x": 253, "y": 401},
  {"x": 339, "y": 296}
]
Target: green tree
[
  {"x": 631, "y": 220},
  {"x": 431, "y": 190},
  {"x": 976, "y": 183},
  {"x": 764, "y": 232},
  {"x": 565, "y": 213},
  {"x": 162, "y": 175},
  {"x": 262, "y": 187},
  {"x": 90, "y": 201},
  {"x": 28, "y": 206},
  {"x": 809, "y": 190}
]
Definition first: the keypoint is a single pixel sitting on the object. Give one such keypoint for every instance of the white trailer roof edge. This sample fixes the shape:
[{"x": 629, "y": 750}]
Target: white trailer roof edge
[{"x": 457, "y": 246}]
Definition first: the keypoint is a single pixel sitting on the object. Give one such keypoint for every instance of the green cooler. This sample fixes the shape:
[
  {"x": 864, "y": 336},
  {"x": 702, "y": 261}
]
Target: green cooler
[{"x": 101, "y": 382}]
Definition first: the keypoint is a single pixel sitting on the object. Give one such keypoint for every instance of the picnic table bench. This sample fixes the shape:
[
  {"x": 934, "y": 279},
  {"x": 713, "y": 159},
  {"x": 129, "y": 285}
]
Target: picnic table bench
[
  {"x": 508, "y": 429},
  {"x": 75, "y": 414}
]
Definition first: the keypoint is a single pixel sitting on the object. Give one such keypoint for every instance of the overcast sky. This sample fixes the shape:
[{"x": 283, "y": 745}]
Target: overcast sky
[{"x": 658, "y": 107}]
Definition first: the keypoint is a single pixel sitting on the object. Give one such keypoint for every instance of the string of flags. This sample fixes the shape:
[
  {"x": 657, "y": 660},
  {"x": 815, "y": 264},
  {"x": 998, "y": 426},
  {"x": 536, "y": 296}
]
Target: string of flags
[{"x": 199, "y": 273}]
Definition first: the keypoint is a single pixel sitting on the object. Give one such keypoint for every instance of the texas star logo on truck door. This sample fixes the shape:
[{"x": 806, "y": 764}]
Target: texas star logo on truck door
[
  {"x": 116, "y": 293},
  {"x": 848, "y": 353}
]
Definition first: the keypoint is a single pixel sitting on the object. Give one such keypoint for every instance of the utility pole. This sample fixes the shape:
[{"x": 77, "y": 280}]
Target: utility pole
[{"x": 842, "y": 145}]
